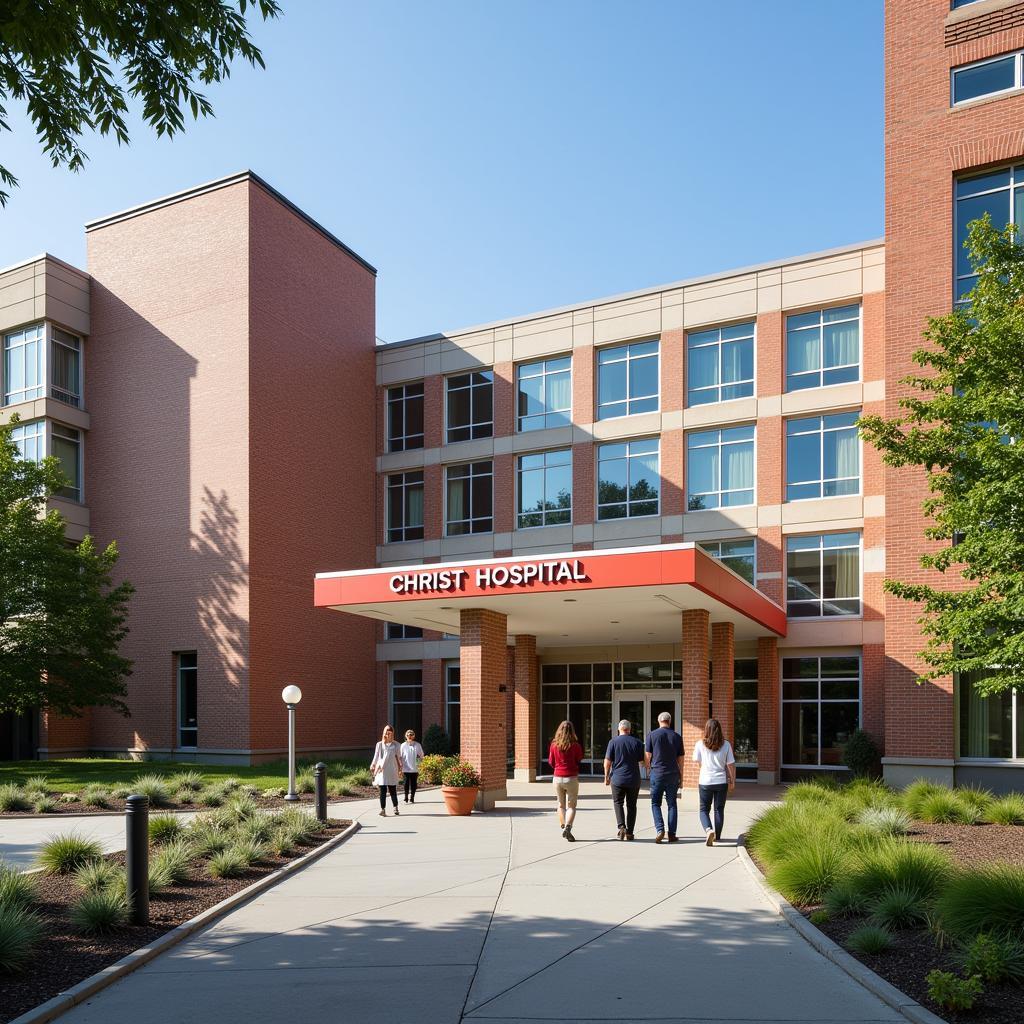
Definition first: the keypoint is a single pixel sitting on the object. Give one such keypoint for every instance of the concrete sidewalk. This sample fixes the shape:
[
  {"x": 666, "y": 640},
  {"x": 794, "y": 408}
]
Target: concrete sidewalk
[{"x": 496, "y": 918}]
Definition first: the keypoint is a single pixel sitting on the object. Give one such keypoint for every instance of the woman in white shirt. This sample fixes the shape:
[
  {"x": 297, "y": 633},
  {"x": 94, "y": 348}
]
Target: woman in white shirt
[
  {"x": 717, "y": 777},
  {"x": 386, "y": 767},
  {"x": 412, "y": 754}
]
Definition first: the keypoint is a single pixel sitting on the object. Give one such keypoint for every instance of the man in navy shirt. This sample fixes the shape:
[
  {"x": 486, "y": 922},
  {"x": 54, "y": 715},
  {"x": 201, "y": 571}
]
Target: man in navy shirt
[
  {"x": 665, "y": 763},
  {"x": 622, "y": 762}
]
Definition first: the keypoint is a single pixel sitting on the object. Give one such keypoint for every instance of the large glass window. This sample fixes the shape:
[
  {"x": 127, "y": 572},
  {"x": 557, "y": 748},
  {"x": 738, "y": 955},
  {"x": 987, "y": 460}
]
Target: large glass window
[
  {"x": 544, "y": 489},
  {"x": 187, "y": 668},
  {"x": 986, "y": 77},
  {"x": 745, "y": 715},
  {"x": 453, "y": 704},
  {"x": 823, "y": 575},
  {"x": 820, "y": 709},
  {"x": 30, "y": 440},
  {"x": 627, "y": 379},
  {"x": 405, "y": 417},
  {"x": 400, "y": 631},
  {"x": 990, "y": 726},
  {"x": 628, "y": 481},
  {"x": 405, "y": 506},
  {"x": 720, "y": 468},
  {"x": 822, "y": 456},
  {"x": 583, "y": 695},
  {"x": 470, "y": 405},
  {"x": 470, "y": 498},
  {"x": 407, "y": 699},
  {"x": 720, "y": 364},
  {"x": 997, "y": 193},
  {"x": 66, "y": 445},
  {"x": 738, "y": 555},
  {"x": 823, "y": 348},
  {"x": 543, "y": 394},
  {"x": 23, "y": 364},
  {"x": 66, "y": 369}
]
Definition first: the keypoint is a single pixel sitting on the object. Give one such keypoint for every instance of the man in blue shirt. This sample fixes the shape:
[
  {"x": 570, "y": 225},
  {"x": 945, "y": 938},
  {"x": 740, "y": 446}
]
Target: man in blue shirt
[
  {"x": 664, "y": 749},
  {"x": 622, "y": 762}
]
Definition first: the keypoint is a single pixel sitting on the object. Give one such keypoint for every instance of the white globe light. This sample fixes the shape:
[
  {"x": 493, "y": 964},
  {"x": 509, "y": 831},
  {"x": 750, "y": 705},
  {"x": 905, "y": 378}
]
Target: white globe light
[{"x": 291, "y": 695}]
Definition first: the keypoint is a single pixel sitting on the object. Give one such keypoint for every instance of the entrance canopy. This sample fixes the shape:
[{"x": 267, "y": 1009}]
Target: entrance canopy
[{"x": 624, "y": 596}]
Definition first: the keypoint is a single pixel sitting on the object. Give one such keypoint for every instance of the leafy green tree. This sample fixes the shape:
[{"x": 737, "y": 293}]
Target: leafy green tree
[
  {"x": 964, "y": 423},
  {"x": 61, "y": 618},
  {"x": 76, "y": 63}
]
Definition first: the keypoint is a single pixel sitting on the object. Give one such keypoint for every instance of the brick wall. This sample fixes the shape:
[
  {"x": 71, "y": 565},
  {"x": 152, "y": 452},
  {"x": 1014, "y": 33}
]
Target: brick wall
[{"x": 694, "y": 637}]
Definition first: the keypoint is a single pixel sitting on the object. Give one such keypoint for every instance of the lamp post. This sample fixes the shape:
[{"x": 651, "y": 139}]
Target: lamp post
[{"x": 291, "y": 695}]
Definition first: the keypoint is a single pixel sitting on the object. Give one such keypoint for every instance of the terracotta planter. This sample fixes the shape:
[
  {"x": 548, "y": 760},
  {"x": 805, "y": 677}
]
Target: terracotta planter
[{"x": 459, "y": 799}]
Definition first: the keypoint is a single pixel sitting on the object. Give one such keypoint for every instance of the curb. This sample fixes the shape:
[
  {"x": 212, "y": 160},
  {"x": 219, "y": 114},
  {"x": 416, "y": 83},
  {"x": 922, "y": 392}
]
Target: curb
[
  {"x": 64, "y": 1001},
  {"x": 878, "y": 986}
]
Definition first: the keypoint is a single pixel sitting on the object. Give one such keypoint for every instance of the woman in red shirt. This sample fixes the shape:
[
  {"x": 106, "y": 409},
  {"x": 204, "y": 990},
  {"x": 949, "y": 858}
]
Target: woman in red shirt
[{"x": 565, "y": 755}]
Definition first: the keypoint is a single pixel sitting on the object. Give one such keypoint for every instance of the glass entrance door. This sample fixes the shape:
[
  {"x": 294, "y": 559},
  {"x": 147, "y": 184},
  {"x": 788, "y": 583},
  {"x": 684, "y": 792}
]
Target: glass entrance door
[{"x": 642, "y": 710}]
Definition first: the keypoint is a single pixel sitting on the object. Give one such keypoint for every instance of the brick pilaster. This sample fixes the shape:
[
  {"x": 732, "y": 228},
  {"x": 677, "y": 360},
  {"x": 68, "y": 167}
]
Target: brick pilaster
[
  {"x": 527, "y": 708},
  {"x": 695, "y": 623},
  {"x": 767, "y": 709},
  {"x": 723, "y": 653}
]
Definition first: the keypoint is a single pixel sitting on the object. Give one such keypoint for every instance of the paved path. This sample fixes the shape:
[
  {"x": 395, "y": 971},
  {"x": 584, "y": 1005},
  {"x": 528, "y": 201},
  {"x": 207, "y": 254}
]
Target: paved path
[{"x": 435, "y": 920}]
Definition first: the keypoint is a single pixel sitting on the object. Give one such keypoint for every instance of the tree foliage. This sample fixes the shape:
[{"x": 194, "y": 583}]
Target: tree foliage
[
  {"x": 75, "y": 64},
  {"x": 61, "y": 618},
  {"x": 964, "y": 423}
]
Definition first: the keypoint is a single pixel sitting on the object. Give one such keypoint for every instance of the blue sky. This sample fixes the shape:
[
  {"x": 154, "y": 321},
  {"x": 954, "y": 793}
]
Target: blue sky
[{"x": 493, "y": 159}]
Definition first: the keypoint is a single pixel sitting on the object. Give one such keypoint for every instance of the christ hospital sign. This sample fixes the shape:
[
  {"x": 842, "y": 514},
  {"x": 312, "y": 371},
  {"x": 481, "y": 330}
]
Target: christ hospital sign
[{"x": 488, "y": 577}]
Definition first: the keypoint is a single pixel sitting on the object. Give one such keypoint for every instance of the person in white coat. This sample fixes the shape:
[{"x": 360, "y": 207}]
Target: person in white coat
[
  {"x": 412, "y": 754},
  {"x": 387, "y": 769}
]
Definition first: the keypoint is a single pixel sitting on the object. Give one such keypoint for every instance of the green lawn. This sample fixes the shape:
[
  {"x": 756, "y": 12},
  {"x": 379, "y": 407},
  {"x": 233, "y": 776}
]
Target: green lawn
[{"x": 73, "y": 773}]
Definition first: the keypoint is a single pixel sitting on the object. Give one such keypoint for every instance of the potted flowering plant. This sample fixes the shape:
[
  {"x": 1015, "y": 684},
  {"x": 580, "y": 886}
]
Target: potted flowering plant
[
  {"x": 459, "y": 784},
  {"x": 433, "y": 766}
]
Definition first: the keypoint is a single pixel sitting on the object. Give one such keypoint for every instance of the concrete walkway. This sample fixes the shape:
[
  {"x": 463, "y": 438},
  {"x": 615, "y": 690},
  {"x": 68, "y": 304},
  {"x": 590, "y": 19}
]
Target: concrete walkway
[{"x": 435, "y": 920}]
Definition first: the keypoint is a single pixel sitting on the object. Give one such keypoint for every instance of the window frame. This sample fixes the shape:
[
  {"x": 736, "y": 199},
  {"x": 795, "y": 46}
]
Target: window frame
[
  {"x": 718, "y": 344},
  {"x": 628, "y": 359},
  {"x": 404, "y": 437},
  {"x": 469, "y": 519},
  {"x": 179, "y": 669},
  {"x": 79, "y": 440},
  {"x": 750, "y": 539},
  {"x": 544, "y": 374},
  {"x": 1018, "y": 78},
  {"x": 42, "y": 363},
  {"x": 821, "y": 601},
  {"x": 821, "y": 311},
  {"x": 543, "y": 471},
  {"x": 783, "y": 701},
  {"x": 822, "y": 480},
  {"x": 388, "y": 626},
  {"x": 38, "y": 435},
  {"x": 628, "y": 502},
  {"x": 405, "y": 486},
  {"x": 404, "y": 666},
  {"x": 71, "y": 398},
  {"x": 472, "y": 426},
  {"x": 720, "y": 491},
  {"x": 454, "y": 736}
]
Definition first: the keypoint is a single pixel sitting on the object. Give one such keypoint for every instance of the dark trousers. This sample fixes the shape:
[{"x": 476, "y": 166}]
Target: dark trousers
[
  {"x": 625, "y": 794},
  {"x": 384, "y": 791},
  {"x": 717, "y": 795},
  {"x": 410, "y": 785},
  {"x": 666, "y": 786}
]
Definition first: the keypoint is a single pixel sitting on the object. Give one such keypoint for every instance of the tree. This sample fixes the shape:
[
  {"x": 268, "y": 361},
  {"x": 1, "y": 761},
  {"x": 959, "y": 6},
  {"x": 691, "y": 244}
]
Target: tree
[
  {"x": 76, "y": 64},
  {"x": 61, "y": 619},
  {"x": 964, "y": 424}
]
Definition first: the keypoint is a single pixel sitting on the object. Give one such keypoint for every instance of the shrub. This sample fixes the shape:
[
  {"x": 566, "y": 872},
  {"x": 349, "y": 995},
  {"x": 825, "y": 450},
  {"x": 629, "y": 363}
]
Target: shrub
[
  {"x": 305, "y": 781},
  {"x": 870, "y": 940},
  {"x": 227, "y": 863},
  {"x": 99, "y": 911},
  {"x": 885, "y": 821},
  {"x": 917, "y": 792},
  {"x": 819, "y": 917},
  {"x": 899, "y": 907},
  {"x": 993, "y": 959},
  {"x": 172, "y": 861},
  {"x": 43, "y": 804},
  {"x": 275, "y": 792},
  {"x": 461, "y": 774},
  {"x": 1007, "y": 810},
  {"x": 97, "y": 874},
  {"x": 12, "y": 798},
  {"x": 989, "y": 898},
  {"x": 843, "y": 900},
  {"x": 68, "y": 798},
  {"x": 861, "y": 755},
  {"x": 951, "y": 992},
  {"x": 208, "y": 838},
  {"x": 154, "y": 787},
  {"x": 920, "y": 869},
  {"x": 20, "y": 930},
  {"x": 431, "y": 768},
  {"x": 36, "y": 784},
  {"x": 65, "y": 854},
  {"x": 241, "y": 807},
  {"x": 95, "y": 795},
  {"x": 211, "y": 798},
  {"x": 165, "y": 827},
  {"x": 362, "y": 776},
  {"x": 435, "y": 741},
  {"x": 16, "y": 889},
  {"x": 251, "y": 850},
  {"x": 810, "y": 870}
]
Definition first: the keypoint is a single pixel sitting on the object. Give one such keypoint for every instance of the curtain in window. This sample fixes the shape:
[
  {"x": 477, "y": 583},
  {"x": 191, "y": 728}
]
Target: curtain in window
[
  {"x": 847, "y": 454},
  {"x": 65, "y": 368},
  {"x": 841, "y": 344},
  {"x": 802, "y": 351},
  {"x": 847, "y": 573},
  {"x": 414, "y": 506},
  {"x": 976, "y": 707},
  {"x": 456, "y": 500},
  {"x": 737, "y": 467},
  {"x": 732, "y": 362},
  {"x": 558, "y": 391}
]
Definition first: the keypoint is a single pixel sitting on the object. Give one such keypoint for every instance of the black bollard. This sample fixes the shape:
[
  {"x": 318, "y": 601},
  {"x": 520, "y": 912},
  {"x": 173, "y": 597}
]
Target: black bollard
[
  {"x": 320, "y": 785},
  {"x": 136, "y": 821}
]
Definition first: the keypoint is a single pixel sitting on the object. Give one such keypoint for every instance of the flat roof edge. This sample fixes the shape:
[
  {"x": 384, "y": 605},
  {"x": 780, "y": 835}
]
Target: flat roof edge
[{"x": 45, "y": 256}]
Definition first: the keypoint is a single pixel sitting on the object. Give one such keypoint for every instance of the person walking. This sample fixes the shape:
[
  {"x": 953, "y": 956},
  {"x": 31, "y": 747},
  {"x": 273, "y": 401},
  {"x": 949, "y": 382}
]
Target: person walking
[
  {"x": 622, "y": 762},
  {"x": 386, "y": 767},
  {"x": 412, "y": 754},
  {"x": 664, "y": 757},
  {"x": 717, "y": 777},
  {"x": 565, "y": 754}
]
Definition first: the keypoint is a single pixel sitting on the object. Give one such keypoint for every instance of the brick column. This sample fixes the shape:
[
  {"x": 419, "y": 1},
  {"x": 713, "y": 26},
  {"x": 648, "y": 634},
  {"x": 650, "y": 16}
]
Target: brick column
[
  {"x": 768, "y": 710},
  {"x": 484, "y": 668},
  {"x": 695, "y": 686},
  {"x": 433, "y": 693},
  {"x": 527, "y": 708},
  {"x": 723, "y": 654}
]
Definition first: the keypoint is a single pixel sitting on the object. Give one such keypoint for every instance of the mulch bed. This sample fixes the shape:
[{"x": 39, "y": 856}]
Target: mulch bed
[{"x": 66, "y": 957}]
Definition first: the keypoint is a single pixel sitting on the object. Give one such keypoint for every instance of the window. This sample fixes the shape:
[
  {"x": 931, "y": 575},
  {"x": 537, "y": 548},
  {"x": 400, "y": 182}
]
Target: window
[
  {"x": 986, "y": 78},
  {"x": 823, "y": 348},
  {"x": 65, "y": 371},
  {"x": 405, "y": 417},
  {"x": 990, "y": 726},
  {"x": 407, "y": 699},
  {"x": 405, "y": 506},
  {"x": 581, "y": 694},
  {"x": 738, "y": 555},
  {"x": 453, "y": 695},
  {"x": 628, "y": 482},
  {"x": 954, "y": 4},
  {"x": 400, "y": 631},
  {"x": 720, "y": 468},
  {"x": 997, "y": 193},
  {"x": 823, "y": 575},
  {"x": 23, "y": 364},
  {"x": 627, "y": 379},
  {"x": 820, "y": 709},
  {"x": 545, "y": 489},
  {"x": 470, "y": 498},
  {"x": 745, "y": 715},
  {"x": 720, "y": 364},
  {"x": 66, "y": 445},
  {"x": 470, "y": 406},
  {"x": 30, "y": 440},
  {"x": 822, "y": 456},
  {"x": 187, "y": 669},
  {"x": 543, "y": 394}
]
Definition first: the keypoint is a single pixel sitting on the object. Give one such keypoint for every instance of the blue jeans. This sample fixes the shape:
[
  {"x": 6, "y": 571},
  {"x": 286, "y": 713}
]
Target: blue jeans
[
  {"x": 664, "y": 786},
  {"x": 717, "y": 794}
]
